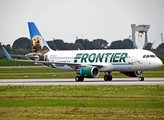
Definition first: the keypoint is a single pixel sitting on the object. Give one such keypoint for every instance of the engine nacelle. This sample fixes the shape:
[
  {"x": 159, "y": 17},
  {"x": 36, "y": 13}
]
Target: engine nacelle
[
  {"x": 133, "y": 73},
  {"x": 89, "y": 72}
]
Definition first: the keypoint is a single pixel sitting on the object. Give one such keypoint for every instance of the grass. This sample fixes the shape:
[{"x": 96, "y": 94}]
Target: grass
[
  {"x": 78, "y": 102},
  {"x": 45, "y": 72},
  {"x": 81, "y": 102},
  {"x": 161, "y": 57}
]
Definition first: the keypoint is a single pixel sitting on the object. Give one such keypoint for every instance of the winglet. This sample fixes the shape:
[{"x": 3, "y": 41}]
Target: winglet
[{"x": 6, "y": 53}]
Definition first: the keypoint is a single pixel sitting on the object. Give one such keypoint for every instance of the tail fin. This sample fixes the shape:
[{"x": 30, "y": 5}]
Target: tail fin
[{"x": 38, "y": 43}]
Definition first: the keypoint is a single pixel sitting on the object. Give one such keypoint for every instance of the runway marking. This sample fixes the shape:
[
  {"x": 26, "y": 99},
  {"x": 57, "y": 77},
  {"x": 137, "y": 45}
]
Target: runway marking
[{"x": 71, "y": 81}]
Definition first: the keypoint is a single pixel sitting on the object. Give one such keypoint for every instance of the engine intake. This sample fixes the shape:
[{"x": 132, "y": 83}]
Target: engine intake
[
  {"x": 133, "y": 73},
  {"x": 89, "y": 72}
]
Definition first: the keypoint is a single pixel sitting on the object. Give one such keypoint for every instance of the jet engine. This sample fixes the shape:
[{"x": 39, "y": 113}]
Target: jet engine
[
  {"x": 89, "y": 72},
  {"x": 133, "y": 73}
]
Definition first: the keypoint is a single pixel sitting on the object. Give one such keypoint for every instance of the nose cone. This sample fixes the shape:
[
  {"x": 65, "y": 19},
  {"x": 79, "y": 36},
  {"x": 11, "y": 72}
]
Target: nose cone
[{"x": 158, "y": 63}]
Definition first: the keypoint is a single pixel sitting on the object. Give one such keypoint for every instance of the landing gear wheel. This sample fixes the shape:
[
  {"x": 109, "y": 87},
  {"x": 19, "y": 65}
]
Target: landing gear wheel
[
  {"x": 110, "y": 77},
  {"x": 107, "y": 77},
  {"x": 141, "y": 78},
  {"x": 79, "y": 78}
]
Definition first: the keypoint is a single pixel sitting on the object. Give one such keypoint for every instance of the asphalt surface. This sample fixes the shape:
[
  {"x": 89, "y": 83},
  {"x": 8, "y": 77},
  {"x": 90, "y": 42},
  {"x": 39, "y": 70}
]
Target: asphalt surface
[{"x": 93, "y": 81}]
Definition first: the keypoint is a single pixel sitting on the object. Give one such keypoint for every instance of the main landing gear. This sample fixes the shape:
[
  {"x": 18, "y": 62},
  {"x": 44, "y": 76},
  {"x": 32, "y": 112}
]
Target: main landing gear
[
  {"x": 79, "y": 79},
  {"x": 107, "y": 77}
]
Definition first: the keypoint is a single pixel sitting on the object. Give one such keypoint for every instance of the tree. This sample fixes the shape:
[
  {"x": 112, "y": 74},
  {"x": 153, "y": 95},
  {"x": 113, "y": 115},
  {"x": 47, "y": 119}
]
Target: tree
[
  {"x": 128, "y": 44},
  {"x": 81, "y": 41},
  {"x": 160, "y": 49},
  {"x": 95, "y": 44},
  {"x": 56, "y": 44},
  {"x": 72, "y": 46},
  {"x": 21, "y": 51},
  {"x": 0, "y": 45},
  {"x": 7, "y": 47},
  {"x": 22, "y": 42},
  {"x": 125, "y": 44},
  {"x": 84, "y": 42},
  {"x": 116, "y": 45},
  {"x": 78, "y": 46},
  {"x": 102, "y": 43},
  {"x": 148, "y": 46}
]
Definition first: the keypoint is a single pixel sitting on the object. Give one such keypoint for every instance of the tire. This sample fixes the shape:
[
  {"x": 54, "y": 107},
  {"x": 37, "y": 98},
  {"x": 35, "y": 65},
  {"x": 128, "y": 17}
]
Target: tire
[
  {"x": 77, "y": 78},
  {"x": 81, "y": 78},
  {"x": 110, "y": 78},
  {"x": 141, "y": 78},
  {"x": 106, "y": 78}
]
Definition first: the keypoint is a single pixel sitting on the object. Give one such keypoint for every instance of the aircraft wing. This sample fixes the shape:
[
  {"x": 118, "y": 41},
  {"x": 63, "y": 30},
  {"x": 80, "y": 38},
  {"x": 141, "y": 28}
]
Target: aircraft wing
[{"x": 46, "y": 62}]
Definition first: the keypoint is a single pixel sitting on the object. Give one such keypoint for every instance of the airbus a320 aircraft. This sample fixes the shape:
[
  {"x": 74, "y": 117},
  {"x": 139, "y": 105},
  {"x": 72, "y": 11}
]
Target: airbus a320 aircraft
[{"x": 89, "y": 63}]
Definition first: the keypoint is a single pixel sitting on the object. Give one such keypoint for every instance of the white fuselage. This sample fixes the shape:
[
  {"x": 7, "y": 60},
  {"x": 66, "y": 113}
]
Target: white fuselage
[{"x": 106, "y": 60}]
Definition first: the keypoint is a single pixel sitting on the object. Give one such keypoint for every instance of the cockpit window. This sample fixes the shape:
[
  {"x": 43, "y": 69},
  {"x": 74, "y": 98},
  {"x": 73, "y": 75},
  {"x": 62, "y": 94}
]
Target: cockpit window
[
  {"x": 152, "y": 56},
  {"x": 144, "y": 56},
  {"x": 147, "y": 56}
]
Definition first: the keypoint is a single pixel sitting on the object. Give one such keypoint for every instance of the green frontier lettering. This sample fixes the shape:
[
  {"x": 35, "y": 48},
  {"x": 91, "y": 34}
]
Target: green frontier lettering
[
  {"x": 111, "y": 57},
  {"x": 84, "y": 57},
  {"x": 116, "y": 57},
  {"x": 100, "y": 57},
  {"x": 92, "y": 57},
  {"x": 123, "y": 56},
  {"x": 107, "y": 54},
  {"x": 78, "y": 56}
]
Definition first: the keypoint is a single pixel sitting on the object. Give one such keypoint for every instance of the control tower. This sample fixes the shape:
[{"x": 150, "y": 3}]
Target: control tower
[{"x": 140, "y": 29}]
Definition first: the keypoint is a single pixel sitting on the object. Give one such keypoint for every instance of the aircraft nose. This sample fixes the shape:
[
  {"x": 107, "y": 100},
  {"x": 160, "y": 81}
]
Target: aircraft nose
[{"x": 158, "y": 63}]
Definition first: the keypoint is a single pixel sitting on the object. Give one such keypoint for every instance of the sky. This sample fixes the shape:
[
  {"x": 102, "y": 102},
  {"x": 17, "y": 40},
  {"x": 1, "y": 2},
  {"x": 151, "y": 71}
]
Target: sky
[{"x": 88, "y": 19}]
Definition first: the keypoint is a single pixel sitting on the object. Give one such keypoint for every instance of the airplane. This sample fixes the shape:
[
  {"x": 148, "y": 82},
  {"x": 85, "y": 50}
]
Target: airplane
[{"x": 89, "y": 63}]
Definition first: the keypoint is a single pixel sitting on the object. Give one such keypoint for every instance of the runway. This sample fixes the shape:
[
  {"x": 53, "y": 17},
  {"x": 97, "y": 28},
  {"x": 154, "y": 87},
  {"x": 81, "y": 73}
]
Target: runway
[{"x": 71, "y": 81}]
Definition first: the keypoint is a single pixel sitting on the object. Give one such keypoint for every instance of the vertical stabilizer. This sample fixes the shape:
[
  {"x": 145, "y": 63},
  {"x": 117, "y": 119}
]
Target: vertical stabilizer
[{"x": 38, "y": 43}]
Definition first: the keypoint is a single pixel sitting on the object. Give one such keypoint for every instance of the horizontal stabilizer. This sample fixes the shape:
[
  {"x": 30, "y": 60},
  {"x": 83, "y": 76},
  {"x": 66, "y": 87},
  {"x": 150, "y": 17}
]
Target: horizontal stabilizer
[{"x": 22, "y": 56}]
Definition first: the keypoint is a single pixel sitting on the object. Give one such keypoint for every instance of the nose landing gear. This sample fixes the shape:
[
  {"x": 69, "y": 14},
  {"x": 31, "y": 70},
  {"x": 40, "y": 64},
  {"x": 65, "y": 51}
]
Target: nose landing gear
[{"x": 141, "y": 78}]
